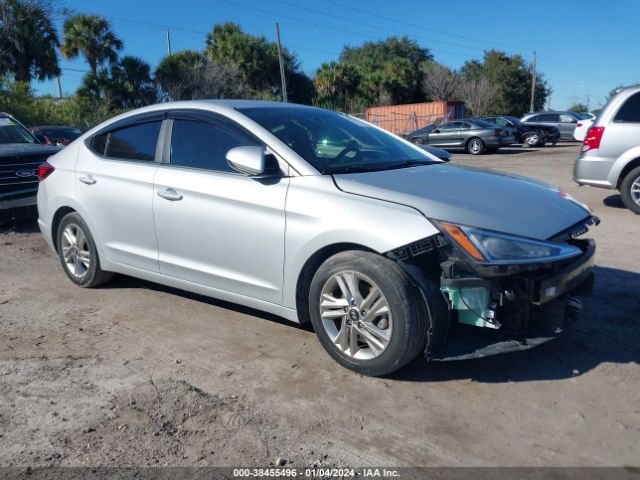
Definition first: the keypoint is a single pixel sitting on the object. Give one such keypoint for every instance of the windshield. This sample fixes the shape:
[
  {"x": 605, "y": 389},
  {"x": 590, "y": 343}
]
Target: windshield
[
  {"x": 11, "y": 132},
  {"x": 336, "y": 143}
]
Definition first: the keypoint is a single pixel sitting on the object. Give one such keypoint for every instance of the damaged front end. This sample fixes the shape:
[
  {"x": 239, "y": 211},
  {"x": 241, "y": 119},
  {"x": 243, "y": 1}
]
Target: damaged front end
[{"x": 498, "y": 293}]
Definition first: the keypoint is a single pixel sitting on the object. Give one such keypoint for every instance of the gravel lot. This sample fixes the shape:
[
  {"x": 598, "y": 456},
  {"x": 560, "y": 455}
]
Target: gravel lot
[{"x": 137, "y": 374}]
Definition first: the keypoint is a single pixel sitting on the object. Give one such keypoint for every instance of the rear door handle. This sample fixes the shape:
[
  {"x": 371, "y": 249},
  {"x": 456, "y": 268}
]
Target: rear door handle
[
  {"x": 170, "y": 194},
  {"x": 88, "y": 180}
]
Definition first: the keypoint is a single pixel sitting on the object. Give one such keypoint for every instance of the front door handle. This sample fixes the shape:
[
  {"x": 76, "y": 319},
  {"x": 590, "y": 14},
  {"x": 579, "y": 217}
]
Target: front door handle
[
  {"x": 88, "y": 180},
  {"x": 170, "y": 194}
]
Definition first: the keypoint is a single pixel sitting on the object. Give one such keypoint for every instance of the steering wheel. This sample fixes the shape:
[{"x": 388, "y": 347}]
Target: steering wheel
[{"x": 352, "y": 146}]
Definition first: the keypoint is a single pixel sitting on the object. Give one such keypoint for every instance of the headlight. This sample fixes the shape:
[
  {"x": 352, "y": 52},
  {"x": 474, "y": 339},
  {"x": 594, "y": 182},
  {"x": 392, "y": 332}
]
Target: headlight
[{"x": 492, "y": 247}]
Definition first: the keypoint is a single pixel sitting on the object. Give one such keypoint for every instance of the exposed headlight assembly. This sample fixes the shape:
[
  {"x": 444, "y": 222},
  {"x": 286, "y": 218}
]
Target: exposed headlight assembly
[{"x": 485, "y": 246}]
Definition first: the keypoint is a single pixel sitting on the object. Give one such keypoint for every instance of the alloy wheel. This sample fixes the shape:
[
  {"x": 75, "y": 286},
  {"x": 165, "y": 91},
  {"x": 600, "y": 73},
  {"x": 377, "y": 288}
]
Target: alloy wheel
[
  {"x": 635, "y": 191},
  {"x": 356, "y": 315},
  {"x": 75, "y": 250},
  {"x": 475, "y": 146},
  {"x": 532, "y": 140}
]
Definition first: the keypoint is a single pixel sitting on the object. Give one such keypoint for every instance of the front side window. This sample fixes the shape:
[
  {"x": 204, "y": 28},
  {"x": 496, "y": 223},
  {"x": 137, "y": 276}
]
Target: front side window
[
  {"x": 199, "y": 144},
  {"x": 630, "y": 111},
  {"x": 549, "y": 117},
  {"x": 501, "y": 122},
  {"x": 135, "y": 142},
  {"x": 451, "y": 126},
  {"x": 333, "y": 142}
]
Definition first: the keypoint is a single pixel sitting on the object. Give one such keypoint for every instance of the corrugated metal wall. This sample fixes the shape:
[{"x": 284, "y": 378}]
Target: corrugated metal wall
[{"x": 406, "y": 118}]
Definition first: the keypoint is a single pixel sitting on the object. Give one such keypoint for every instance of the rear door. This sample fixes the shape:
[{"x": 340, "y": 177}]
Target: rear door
[
  {"x": 215, "y": 226},
  {"x": 115, "y": 188}
]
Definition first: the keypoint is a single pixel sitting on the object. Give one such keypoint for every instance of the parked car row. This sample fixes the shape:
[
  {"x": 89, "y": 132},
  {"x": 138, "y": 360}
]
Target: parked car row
[{"x": 479, "y": 135}]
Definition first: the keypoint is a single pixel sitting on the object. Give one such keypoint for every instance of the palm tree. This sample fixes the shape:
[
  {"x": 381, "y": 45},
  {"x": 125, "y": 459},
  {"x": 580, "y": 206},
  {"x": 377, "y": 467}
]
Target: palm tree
[
  {"x": 28, "y": 40},
  {"x": 91, "y": 36},
  {"x": 131, "y": 77}
]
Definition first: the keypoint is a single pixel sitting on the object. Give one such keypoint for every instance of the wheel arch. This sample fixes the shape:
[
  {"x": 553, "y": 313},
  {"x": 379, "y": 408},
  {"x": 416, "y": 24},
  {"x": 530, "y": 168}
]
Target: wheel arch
[
  {"x": 309, "y": 269},
  {"x": 55, "y": 223},
  {"x": 626, "y": 169}
]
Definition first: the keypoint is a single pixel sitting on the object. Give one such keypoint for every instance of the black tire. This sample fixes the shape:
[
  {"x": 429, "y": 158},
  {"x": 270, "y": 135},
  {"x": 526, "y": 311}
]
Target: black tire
[
  {"x": 471, "y": 146},
  {"x": 93, "y": 275},
  {"x": 633, "y": 177},
  {"x": 408, "y": 311}
]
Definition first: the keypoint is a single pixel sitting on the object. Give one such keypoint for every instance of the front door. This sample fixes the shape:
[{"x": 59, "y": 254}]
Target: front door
[
  {"x": 215, "y": 226},
  {"x": 446, "y": 135}
]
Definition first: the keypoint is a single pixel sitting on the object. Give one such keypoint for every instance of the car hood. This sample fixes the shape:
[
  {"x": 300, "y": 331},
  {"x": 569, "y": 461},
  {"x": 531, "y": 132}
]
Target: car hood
[
  {"x": 470, "y": 196},
  {"x": 26, "y": 149}
]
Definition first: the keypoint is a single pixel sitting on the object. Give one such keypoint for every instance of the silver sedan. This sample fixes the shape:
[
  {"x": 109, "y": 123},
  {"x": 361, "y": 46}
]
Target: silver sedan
[{"x": 317, "y": 216}]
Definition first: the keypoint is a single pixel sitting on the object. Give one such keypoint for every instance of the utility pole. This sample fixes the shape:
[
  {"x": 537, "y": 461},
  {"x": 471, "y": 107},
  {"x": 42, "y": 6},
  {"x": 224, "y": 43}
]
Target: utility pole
[
  {"x": 168, "y": 42},
  {"x": 533, "y": 81},
  {"x": 283, "y": 80},
  {"x": 59, "y": 87}
]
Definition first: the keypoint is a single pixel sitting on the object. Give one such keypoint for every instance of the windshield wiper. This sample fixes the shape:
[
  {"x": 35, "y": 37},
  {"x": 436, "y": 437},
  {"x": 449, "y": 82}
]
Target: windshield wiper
[{"x": 353, "y": 169}]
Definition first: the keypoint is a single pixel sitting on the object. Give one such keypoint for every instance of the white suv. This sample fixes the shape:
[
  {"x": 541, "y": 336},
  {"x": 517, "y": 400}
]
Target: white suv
[{"x": 611, "y": 150}]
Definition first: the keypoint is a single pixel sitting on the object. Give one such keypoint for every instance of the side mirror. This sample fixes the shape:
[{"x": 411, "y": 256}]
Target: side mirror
[
  {"x": 247, "y": 160},
  {"x": 436, "y": 130}
]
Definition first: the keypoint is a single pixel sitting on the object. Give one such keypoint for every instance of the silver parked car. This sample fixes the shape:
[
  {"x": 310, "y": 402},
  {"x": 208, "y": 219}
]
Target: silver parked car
[
  {"x": 611, "y": 150},
  {"x": 317, "y": 216},
  {"x": 563, "y": 121}
]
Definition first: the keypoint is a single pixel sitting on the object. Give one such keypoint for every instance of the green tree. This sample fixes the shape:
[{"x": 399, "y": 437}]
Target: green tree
[
  {"x": 132, "y": 83},
  {"x": 91, "y": 36},
  {"x": 189, "y": 75},
  {"x": 579, "y": 107},
  {"x": 513, "y": 77},
  {"x": 256, "y": 59},
  {"x": 375, "y": 73},
  {"x": 28, "y": 40}
]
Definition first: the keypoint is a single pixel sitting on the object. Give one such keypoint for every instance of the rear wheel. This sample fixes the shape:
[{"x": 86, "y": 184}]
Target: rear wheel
[
  {"x": 366, "y": 313},
  {"x": 475, "y": 146},
  {"x": 78, "y": 254},
  {"x": 630, "y": 190}
]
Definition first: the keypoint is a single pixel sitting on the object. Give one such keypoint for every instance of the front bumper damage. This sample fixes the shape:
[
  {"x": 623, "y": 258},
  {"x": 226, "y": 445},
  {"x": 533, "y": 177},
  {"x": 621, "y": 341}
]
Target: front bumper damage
[{"x": 483, "y": 310}]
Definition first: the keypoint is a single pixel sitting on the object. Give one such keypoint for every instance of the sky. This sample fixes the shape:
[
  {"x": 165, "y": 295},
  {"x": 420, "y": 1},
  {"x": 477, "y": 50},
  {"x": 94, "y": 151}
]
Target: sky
[{"x": 584, "y": 48}]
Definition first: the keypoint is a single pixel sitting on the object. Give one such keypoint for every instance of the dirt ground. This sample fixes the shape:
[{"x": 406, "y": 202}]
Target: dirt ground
[{"x": 137, "y": 374}]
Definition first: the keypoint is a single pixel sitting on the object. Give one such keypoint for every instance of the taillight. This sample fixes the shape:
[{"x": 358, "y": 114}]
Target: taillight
[
  {"x": 44, "y": 170},
  {"x": 592, "y": 139}
]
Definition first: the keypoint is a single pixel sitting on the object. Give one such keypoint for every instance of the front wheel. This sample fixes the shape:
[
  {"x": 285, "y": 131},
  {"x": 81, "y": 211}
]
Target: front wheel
[
  {"x": 531, "y": 139},
  {"x": 475, "y": 146},
  {"x": 630, "y": 190},
  {"x": 366, "y": 313},
  {"x": 78, "y": 253}
]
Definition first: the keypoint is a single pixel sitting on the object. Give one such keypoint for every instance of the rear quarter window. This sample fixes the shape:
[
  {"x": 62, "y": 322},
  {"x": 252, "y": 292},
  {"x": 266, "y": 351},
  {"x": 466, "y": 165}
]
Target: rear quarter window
[{"x": 630, "y": 110}]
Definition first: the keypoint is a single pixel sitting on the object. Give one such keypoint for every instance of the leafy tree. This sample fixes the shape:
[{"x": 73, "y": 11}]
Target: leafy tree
[
  {"x": 28, "y": 40},
  {"x": 513, "y": 77},
  {"x": 579, "y": 107},
  {"x": 132, "y": 82},
  {"x": 257, "y": 61},
  {"x": 189, "y": 75},
  {"x": 91, "y": 36}
]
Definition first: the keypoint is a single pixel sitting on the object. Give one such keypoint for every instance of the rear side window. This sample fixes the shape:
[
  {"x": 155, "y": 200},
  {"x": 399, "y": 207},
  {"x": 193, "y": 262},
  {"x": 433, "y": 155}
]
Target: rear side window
[
  {"x": 630, "y": 111},
  {"x": 203, "y": 145},
  {"x": 136, "y": 142}
]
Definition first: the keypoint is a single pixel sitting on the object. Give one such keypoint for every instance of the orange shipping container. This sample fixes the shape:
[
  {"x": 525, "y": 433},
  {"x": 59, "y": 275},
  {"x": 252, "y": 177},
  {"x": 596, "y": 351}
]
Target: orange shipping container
[{"x": 400, "y": 119}]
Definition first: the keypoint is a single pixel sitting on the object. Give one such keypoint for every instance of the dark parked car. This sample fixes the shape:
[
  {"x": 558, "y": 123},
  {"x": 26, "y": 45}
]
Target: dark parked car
[
  {"x": 60, "y": 136},
  {"x": 529, "y": 134},
  {"x": 474, "y": 135},
  {"x": 563, "y": 121},
  {"x": 20, "y": 156}
]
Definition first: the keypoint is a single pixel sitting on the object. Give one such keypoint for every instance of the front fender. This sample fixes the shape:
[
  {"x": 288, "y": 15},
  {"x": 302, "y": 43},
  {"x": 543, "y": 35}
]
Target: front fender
[{"x": 320, "y": 215}]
